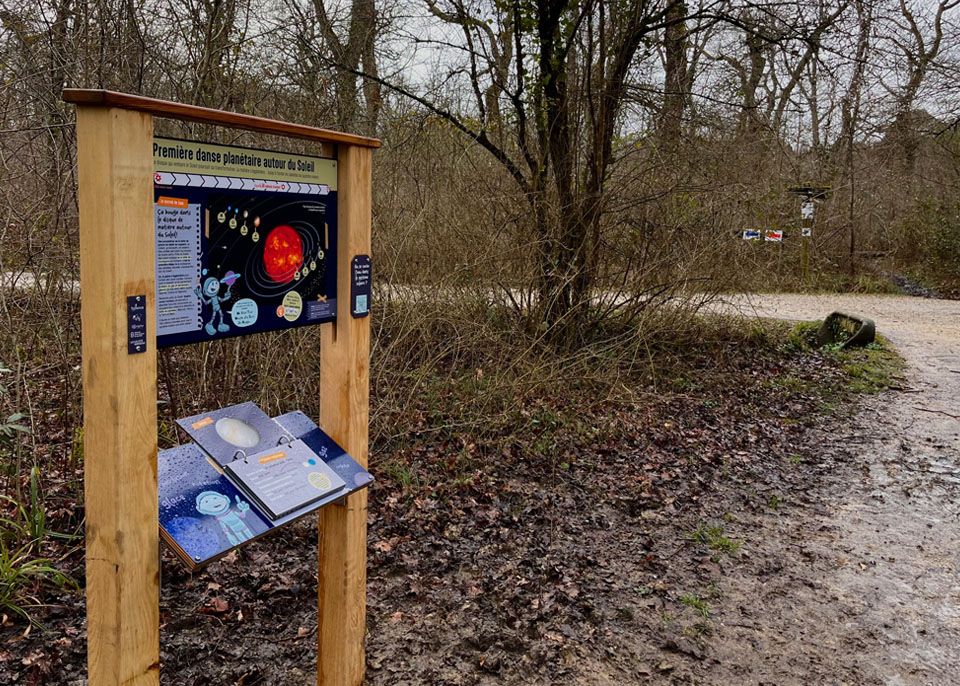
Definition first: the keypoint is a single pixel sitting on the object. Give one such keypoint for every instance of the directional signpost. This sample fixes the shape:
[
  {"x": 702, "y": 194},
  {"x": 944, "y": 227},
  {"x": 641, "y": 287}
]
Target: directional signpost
[{"x": 809, "y": 195}]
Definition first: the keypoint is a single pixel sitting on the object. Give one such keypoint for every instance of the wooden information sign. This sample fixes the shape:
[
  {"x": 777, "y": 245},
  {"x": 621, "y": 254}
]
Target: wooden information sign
[{"x": 115, "y": 158}]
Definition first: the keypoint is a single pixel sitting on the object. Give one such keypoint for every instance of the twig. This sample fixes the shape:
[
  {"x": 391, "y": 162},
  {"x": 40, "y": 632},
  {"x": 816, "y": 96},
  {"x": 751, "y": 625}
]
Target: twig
[{"x": 947, "y": 414}]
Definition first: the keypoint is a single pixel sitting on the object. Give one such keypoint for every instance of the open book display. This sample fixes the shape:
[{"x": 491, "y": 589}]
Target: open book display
[{"x": 245, "y": 475}]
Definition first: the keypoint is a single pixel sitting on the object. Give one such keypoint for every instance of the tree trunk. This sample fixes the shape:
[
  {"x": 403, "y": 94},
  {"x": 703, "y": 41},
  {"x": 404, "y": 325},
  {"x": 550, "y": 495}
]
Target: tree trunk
[{"x": 675, "y": 80}]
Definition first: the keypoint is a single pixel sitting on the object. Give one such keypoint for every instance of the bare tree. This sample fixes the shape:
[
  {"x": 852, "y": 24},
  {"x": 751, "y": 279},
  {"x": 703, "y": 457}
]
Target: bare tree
[
  {"x": 348, "y": 44},
  {"x": 562, "y": 69},
  {"x": 918, "y": 48}
]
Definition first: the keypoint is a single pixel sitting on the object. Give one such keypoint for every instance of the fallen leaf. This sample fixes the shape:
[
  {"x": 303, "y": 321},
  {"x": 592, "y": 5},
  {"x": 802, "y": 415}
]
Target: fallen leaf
[
  {"x": 215, "y": 606},
  {"x": 32, "y": 658}
]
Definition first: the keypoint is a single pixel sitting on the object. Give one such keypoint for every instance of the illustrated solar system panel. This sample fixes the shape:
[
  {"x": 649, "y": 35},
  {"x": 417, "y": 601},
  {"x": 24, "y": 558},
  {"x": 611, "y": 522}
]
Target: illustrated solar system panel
[
  {"x": 242, "y": 246},
  {"x": 203, "y": 513}
]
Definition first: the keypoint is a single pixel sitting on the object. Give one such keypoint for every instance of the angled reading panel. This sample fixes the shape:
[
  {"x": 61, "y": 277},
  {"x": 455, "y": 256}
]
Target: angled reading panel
[
  {"x": 284, "y": 479},
  {"x": 203, "y": 515}
]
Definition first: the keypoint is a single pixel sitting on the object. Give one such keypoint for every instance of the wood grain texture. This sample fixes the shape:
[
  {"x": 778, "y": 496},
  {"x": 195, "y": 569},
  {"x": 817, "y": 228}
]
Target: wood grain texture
[
  {"x": 115, "y": 160},
  {"x": 206, "y": 115},
  {"x": 344, "y": 415}
]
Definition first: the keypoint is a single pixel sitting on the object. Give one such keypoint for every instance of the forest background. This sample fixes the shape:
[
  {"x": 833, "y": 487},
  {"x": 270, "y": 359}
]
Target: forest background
[{"x": 560, "y": 183}]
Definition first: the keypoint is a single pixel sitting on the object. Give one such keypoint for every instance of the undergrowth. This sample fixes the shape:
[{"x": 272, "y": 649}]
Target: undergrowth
[
  {"x": 870, "y": 369},
  {"x": 516, "y": 392},
  {"x": 456, "y": 388},
  {"x": 24, "y": 534},
  {"x": 445, "y": 405}
]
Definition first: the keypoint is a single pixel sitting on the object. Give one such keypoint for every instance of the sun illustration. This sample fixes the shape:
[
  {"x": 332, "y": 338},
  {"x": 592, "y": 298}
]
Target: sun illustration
[{"x": 282, "y": 254}]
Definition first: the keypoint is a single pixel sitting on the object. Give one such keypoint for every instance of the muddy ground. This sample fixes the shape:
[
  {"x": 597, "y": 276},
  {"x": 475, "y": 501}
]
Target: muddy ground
[
  {"x": 860, "y": 581},
  {"x": 743, "y": 525}
]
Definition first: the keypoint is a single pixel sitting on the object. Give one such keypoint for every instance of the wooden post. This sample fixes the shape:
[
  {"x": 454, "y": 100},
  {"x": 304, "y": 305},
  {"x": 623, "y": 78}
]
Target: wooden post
[
  {"x": 804, "y": 259},
  {"x": 344, "y": 414},
  {"x": 805, "y": 223},
  {"x": 115, "y": 160}
]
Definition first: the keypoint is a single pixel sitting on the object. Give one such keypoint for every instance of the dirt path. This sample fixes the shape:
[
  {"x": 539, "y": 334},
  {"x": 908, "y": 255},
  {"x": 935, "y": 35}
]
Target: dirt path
[{"x": 857, "y": 581}]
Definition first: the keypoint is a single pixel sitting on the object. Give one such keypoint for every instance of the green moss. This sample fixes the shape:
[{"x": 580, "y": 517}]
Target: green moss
[
  {"x": 871, "y": 369},
  {"x": 802, "y": 337}
]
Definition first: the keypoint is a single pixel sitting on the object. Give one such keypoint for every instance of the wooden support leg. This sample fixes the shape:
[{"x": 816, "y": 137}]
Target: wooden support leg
[
  {"x": 344, "y": 414},
  {"x": 119, "y": 397}
]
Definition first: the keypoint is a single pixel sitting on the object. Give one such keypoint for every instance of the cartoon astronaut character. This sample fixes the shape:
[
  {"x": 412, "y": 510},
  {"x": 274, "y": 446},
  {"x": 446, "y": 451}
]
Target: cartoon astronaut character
[
  {"x": 218, "y": 505},
  {"x": 209, "y": 294}
]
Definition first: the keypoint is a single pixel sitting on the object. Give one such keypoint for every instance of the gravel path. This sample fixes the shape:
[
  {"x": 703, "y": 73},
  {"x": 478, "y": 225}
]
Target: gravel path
[{"x": 860, "y": 585}]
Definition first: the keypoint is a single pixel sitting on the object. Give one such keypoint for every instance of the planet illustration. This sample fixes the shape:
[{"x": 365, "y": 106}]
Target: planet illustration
[
  {"x": 282, "y": 254},
  {"x": 237, "y": 432}
]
